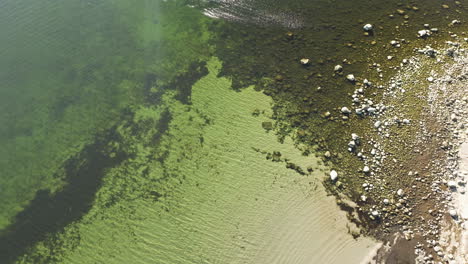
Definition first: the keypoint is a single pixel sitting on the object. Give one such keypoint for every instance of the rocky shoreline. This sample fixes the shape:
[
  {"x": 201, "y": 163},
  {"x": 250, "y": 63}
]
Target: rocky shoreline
[
  {"x": 449, "y": 98},
  {"x": 368, "y": 109},
  {"x": 413, "y": 154}
]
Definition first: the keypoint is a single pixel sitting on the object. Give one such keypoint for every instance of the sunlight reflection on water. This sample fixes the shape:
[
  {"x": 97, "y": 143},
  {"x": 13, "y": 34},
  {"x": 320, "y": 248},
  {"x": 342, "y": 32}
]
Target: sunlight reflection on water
[{"x": 256, "y": 12}]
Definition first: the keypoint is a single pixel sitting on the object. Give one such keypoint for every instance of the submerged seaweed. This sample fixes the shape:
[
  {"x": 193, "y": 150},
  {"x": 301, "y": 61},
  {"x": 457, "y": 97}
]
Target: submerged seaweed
[{"x": 104, "y": 123}]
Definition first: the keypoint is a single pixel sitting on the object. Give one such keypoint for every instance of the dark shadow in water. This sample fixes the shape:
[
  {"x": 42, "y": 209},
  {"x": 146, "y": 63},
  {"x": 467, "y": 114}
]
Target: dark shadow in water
[{"x": 49, "y": 213}]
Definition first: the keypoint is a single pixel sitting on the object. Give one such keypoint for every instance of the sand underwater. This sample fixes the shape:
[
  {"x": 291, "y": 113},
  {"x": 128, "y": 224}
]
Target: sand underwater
[{"x": 178, "y": 131}]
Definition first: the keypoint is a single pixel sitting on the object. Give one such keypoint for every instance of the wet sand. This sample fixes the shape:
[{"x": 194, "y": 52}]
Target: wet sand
[{"x": 311, "y": 230}]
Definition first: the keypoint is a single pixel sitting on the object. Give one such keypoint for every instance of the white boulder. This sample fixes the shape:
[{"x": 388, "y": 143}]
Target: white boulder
[
  {"x": 345, "y": 110},
  {"x": 351, "y": 77},
  {"x": 453, "y": 213},
  {"x": 366, "y": 169},
  {"x": 400, "y": 192},
  {"x": 424, "y": 33},
  {"x": 377, "y": 124},
  {"x": 368, "y": 27},
  {"x": 452, "y": 184}
]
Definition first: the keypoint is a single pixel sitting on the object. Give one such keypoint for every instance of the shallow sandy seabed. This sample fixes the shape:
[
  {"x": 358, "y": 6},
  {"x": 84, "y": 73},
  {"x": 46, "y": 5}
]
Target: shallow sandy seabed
[{"x": 235, "y": 206}]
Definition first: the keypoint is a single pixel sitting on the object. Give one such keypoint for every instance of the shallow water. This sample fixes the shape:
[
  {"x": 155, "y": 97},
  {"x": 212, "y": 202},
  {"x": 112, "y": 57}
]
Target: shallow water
[{"x": 132, "y": 132}]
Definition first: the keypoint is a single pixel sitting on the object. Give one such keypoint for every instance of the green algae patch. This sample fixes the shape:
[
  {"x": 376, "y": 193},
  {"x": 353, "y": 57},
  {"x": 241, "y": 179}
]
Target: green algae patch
[
  {"x": 54, "y": 98},
  {"x": 86, "y": 68},
  {"x": 203, "y": 191},
  {"x": 172, "y": 35}
]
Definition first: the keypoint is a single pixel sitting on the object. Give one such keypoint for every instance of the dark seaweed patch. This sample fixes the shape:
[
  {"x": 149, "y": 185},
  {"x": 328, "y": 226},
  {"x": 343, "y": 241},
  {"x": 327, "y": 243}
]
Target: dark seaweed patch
[
  {"x": 50, "y": 213},
  {"x": 163, "y": 126},
  {"x": 182, "y": 83}
]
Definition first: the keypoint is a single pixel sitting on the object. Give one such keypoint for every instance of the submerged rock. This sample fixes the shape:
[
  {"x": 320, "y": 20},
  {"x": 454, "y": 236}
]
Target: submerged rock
[{"x": 267, "y": 125}]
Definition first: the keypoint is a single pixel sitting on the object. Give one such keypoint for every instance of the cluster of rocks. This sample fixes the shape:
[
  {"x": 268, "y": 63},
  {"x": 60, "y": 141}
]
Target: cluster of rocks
[
  {"x": 449, "y": 98},
  {"x": 401, "y": 207},
  {"x": 445, "y": 180},
  {"x": 449, "y": 102}
]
